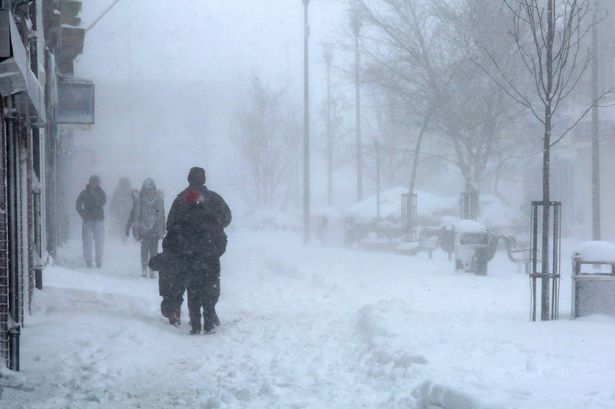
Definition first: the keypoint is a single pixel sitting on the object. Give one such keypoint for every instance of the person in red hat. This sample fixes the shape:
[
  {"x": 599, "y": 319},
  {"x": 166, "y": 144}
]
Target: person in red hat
[{"x": 196, "y": 240}]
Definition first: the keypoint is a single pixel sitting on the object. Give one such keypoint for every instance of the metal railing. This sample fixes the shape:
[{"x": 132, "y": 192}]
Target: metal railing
[{"x": 550, "y": 280}]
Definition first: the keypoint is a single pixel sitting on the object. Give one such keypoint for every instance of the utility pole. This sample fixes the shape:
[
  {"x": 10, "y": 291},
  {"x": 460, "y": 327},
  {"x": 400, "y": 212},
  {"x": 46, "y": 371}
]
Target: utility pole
[
  {"x": 595, "y": 129},
  {"x": 328, "y": 58},
  {"x": 356, "y": 27},
  {"x": 306, "y": 126}
]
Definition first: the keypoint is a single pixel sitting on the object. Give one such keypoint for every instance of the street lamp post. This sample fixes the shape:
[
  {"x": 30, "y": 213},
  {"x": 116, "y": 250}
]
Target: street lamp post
[
  {"x": 306, "y": 126},
  {"x": 377, "y": 149},
  {"x": 328, "y": 56},
  {"x": 595, "y": 128},
  {"x": 356, "y": 27}
]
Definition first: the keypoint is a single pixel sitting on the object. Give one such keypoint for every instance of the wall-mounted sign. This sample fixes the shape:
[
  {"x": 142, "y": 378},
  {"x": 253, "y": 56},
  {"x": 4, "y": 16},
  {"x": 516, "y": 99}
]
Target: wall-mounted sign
[
  {"x": 5, "y": 34},
  {"x": 75, "y": 101}
]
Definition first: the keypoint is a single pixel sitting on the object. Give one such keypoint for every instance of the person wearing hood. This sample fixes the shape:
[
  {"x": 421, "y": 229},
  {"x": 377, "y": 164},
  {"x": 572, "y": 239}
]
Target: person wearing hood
[
  {"x": 89, "y": 205},
  {"x": 147, "y": 220},
  {"x": 120, "y": 207},
  {"x": 196, "y": 239}
]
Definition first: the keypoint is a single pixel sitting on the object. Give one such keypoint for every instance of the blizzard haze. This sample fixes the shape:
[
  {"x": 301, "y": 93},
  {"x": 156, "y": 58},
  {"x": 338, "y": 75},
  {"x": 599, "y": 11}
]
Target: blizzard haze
[
  {"x": 423, "y": 271},
  {"x": 171, "y": 76}
]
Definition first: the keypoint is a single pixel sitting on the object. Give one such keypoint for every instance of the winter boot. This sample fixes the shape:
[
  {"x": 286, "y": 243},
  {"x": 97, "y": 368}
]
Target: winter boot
[
  {"x": 208, "y": 323},
  {"x": 195, "y": 331},
  {"x": 210, "y": 312},
  {"x": 152, "y": 273},
  {"x": 144, "y": 272},
  {"x": 174, "y": 319}
]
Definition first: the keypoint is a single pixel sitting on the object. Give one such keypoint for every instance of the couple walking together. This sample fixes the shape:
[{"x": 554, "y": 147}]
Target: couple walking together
[{"x": 190, "y": 259}]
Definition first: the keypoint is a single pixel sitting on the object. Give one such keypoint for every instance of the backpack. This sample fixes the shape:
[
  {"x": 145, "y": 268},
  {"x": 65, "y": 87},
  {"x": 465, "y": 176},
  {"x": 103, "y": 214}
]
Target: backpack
[{"x": 198, "y": 233}]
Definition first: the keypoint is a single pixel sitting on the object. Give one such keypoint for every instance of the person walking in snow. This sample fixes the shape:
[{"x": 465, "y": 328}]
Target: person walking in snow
[
  {"x": 171, "y": 282},
  {"x": 89, "y": 205},
  {"x": 196, "y": 238},
  {"x": 147, "y": 220},
  {"x": 120, "y": 207}
]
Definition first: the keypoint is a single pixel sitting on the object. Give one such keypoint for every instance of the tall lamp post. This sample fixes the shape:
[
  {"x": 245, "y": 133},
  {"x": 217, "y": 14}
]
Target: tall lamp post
[
  {"x": 306, "y": 126},
  {"x": 355, "y": 20},
  {"x": 595, "y": 128},
  {"x": 328, "y": 56},
  {"x": 377, "y": 149}
]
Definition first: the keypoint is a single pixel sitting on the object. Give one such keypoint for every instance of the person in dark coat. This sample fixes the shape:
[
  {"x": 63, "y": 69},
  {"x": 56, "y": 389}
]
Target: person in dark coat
[
  {"x": 90, "y": 205},
  {"x": 147, "y": 220},
  {"x": 196, "y": 238},
  {"x": 120, "y": 207}
]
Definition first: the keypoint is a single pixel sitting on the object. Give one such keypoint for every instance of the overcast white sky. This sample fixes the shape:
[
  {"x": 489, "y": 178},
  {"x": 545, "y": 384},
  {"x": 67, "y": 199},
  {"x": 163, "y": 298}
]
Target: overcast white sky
[
  {"x": 182, "y": 68},
  {"x": 211, "y": 39}
]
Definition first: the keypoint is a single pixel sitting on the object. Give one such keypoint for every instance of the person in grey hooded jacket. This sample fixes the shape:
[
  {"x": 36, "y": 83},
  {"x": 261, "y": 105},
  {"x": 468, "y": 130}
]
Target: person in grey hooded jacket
[{"x": 147, "y": 220}]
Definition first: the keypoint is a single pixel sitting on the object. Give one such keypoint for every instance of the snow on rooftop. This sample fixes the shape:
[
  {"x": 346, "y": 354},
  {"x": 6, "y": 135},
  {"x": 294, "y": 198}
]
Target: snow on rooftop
[{"x": 596, "y": 251}]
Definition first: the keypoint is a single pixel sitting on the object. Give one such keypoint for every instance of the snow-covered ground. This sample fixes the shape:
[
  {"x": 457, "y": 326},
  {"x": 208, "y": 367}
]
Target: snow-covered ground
[{"x": 309, "y": 328}]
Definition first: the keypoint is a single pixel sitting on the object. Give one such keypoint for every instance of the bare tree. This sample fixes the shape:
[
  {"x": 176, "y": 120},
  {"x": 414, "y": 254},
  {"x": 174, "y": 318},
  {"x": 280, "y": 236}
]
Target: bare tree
[
  {"x": 511, "y": 156},
  {"x": 388, "y": 130},
  {"x": 548, "y": 36},
  {"x": 268, "y": 138},
  {"x": 424, "y": 51}
]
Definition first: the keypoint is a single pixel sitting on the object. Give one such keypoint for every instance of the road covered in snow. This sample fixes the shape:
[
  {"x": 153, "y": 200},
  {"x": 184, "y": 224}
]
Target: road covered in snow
[{"x": 308, "y": 328}]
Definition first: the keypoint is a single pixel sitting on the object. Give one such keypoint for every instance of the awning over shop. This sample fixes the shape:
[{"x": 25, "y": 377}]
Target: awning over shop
[{"x": 16, "y": 77}]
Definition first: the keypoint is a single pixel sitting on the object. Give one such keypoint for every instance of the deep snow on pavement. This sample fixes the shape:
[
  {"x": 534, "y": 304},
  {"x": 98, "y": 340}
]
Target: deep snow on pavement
[{"x": 308, "y": 328}]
